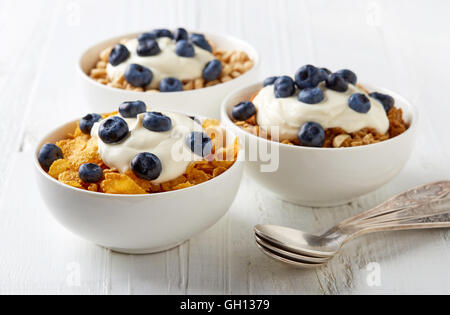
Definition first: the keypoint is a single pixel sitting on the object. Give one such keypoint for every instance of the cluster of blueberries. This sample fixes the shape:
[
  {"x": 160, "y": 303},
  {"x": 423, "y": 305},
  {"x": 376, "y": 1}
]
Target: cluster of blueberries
[
  {"x": 114, "y": 129},
  {"x": 140, "y": 76},
  {"x": 307, "y": 80},
  {"x": 88, "y": 172}
]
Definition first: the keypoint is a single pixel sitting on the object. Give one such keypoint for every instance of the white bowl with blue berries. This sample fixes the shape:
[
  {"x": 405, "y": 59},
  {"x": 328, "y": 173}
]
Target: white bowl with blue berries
[
  {"x": 203, "y": 101},
  {"x": 137, "y": 224},
  {"x": 317, "y": 176}
]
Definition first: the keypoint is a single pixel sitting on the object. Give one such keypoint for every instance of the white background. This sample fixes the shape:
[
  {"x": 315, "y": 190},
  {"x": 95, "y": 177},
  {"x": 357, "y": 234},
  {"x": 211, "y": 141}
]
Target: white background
[{"x": 402, "y": 45}]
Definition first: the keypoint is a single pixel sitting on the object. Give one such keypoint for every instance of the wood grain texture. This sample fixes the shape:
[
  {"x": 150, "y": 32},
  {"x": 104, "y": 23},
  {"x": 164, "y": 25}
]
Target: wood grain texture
[{"x": 383, "y": 41}]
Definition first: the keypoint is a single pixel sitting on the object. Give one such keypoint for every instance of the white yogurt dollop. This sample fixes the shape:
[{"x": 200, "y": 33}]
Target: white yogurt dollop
[
  {"x": 168, "y": 146},
  {"x": 289, "y": 114},
  {"x": 165, "y": 64}
]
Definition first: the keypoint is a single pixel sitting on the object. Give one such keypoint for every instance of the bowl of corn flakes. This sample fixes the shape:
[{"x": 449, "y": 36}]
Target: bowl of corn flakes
[
  {"x": 176, "y": 69},
  {"x": 138, "y": 180},
  {"x": 315, "y": 145}
]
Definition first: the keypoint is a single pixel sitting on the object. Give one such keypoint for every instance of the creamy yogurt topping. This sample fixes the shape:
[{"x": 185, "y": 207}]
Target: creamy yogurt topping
[
  {"x": 168, "y": 146},
  {"x": 289, "y": 114},
  {"x": 165, "y": 64}
]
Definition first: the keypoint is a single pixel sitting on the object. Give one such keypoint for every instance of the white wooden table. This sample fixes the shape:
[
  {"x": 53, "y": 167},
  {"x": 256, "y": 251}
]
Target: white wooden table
[{"x": 403, "y": 45}]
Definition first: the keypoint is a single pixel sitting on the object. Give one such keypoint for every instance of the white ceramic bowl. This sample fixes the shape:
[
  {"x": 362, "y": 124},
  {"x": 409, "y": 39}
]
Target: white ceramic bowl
[
  {"x": 324, "y": 176},
  {"x": 137, "y": 224},
  {"x": 205, "y": 102}
]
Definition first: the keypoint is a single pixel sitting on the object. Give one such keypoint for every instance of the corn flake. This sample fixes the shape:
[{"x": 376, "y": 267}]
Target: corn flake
[{"x": 116, "y": 183}]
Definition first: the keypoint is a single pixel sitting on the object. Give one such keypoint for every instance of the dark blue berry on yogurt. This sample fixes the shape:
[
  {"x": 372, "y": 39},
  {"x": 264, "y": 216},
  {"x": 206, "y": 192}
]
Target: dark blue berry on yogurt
[
  {"x": 359, "y": 103},
  {"x": 162, "y": 32},
  {"x": 87, "y": 122},
  {"x": 200, "y": 41},
  {"x": 146, "y": 36},
  {"x": 180, "y": 34},
  {"x": 386, "y": 100},
  {"x": 48, "y": 154},
  {"x": 311, "y": 134},
  {"x": 212, "y": 70},
  {"x": 283, "y": 87},
  {"x": 90, "y": 173},
  {"x": 336, "y": 82},
  {"x": 138, "y": 75},
  {"x": 269, "y": 81},
  {"x": 348, "y": 76},
  {"x": 243, "y": 111},
  {"x": 311, "y": 95},
  {"x": 118, "y": 55},
  {"x": 170, "y": 85},
  {"x": 326, "y": 71},
  {"x": 132, "y": 109},
  {"x": 146, "y": 165},
  {"x": 309, "y": 77},
  {"x": 183, "y": 48},
  {"x": 199, "y": 143},
  {"x": 113, "y": 130},
  {"x": 148, "y": 48},
  {"x": 155, "y": 121}
]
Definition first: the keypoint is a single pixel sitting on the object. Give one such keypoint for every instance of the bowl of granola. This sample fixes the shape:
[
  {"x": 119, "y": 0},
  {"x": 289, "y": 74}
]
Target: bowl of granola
[
  {"x": 138, "y": 180},
  {"x": 178, "y": 70},
  {"x": 319, "y": 138}
]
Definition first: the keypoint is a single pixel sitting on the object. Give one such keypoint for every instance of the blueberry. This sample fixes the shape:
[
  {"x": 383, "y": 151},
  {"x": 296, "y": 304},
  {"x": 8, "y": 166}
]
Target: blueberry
[
  {"x": 359, "y": 103},
  {"x": 199, "y": 143},
  {"x": 146, "y": 36},
  {"x": 155, "y": 121},
  {"x": 170, "y": 85},
  {"x": 148, "y": 48},
  {"x": 184, "y": 49},
  {"x": 326, "y": 70},
  {"x": 118, "y": 55},
  {"x": 269, "y": 81},
  {"x": 284, "y": 86},
  {"x": 138, "y": 75},
  {"x": 311, "y": 95},
  {"x": 243, "y": 111},
  {"x": 146, "y": 166},
  {"x": 180, "y": 33},
  {"x": 386, "y": 100},
  {"x": 309, "y": 77},
  {"x": 198, "y": 35},
  {"x": 200, "y": 41},
  {"x": 336, "y": 82},
  {"x": 87, "y": 122},
  {"x": 90, "y": 173},
  {"x": 132, "y": 109},
  {"x": 348, "y": 75},
  {"x": 162, "y": 32},
  {"x": 311, "y": 135},
  {"x": 48, "y": 154},
  {"x": 113, "y": 129},
  {"x": 212, "y": 70}
]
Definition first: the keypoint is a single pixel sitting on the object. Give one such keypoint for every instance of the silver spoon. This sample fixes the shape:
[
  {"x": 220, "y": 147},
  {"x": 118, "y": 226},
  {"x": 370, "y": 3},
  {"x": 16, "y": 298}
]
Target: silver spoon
[{"x": 418, "y": 208}]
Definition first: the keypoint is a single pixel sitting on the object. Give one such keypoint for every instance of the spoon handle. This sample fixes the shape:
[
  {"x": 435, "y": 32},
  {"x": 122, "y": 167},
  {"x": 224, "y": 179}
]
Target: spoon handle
[
  {"x": 413, "y": 197},
  {"x": 435, "y": 214}
]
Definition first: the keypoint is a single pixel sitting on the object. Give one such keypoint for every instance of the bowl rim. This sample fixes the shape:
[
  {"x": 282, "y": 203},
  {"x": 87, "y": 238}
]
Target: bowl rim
[
  {"x": 42, "y": 172},
  {"x": 411, "y": 110},
  {"x": 85, "y": 76}
]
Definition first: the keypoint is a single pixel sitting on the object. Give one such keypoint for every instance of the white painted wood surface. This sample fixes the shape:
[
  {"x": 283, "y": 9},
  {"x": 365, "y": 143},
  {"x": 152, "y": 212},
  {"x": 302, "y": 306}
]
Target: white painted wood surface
[{"x": 403, "y": 45}]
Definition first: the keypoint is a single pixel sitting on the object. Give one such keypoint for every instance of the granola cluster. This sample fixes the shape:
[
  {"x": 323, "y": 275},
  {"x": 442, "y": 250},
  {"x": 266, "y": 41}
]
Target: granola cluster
[{"x": 234, "y": 64}]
